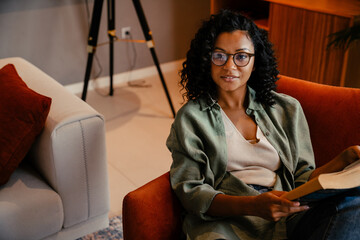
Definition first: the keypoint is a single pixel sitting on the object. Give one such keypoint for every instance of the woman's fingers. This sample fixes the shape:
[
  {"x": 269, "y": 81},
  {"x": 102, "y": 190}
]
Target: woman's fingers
[{"x": 273, "y": 207}]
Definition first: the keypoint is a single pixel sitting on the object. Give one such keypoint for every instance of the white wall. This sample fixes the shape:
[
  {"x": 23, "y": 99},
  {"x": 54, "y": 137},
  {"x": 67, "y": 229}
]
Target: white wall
[{"x": 52, "y": 34}]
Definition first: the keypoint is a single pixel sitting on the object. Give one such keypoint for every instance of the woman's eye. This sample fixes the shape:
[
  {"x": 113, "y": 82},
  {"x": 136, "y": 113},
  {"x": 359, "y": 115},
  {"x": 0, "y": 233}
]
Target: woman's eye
[
  {"x": 241, "y": 56},
  {"x": 219, "y": 56}
]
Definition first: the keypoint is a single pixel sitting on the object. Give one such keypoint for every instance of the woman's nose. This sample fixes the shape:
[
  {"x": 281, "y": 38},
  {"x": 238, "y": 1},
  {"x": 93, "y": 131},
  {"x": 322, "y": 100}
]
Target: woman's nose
[{"x": 230, "y": 63}]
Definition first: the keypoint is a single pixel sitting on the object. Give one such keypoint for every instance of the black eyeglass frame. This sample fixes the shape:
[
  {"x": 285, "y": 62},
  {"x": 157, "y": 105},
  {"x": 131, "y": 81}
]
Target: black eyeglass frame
[{"x": 233, "y": 57}]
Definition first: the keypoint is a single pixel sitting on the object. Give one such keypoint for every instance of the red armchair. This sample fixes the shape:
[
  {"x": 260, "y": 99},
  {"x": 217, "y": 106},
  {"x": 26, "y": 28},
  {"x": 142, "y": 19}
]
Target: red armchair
[{"x": 333, "y": 115}]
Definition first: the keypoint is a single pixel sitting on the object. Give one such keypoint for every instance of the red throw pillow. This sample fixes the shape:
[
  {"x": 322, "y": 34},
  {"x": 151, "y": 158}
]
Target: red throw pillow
[{"x": 22, "y": 117}]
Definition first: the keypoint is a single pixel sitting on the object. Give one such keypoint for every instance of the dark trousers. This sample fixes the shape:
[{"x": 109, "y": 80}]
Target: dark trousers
[{"x": 337, "y": 218}]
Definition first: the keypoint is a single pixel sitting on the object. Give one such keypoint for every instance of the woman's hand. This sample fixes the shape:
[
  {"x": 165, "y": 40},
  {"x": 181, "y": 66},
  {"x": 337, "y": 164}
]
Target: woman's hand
[
  {"x": 346, "y": 157},
  {"x": 349, "y": 155},
  {"x": 272, "y": 207},
  {"x": 267, "y": 205}
]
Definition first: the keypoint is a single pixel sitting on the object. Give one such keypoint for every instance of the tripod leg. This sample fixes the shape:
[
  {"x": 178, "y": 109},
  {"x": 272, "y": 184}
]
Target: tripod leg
[
  {"x": 112, "y": 36},
  {"x": 87, "y": 75},
  {"x": 150, "y": 43},
  {"x": 92, "y": 41}
]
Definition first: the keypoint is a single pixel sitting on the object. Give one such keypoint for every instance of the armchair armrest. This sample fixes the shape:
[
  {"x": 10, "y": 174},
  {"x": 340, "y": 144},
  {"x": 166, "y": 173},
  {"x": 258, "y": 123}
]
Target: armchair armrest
[
  {"x": 70, "y": 153},
  {"x": 152, "y": 212}
]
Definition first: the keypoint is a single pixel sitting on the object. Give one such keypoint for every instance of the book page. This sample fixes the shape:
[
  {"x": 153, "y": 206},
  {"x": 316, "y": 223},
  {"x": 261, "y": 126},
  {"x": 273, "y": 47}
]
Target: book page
[{"x": 347, "y": 178}]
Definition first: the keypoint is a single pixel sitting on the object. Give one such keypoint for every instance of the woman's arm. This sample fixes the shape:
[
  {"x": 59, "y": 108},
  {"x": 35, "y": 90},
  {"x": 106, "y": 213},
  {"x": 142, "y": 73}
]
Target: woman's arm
[
  {"x": 268, "y": 205},
  {"x": 196, "y": 149},
  {"x": 342, "y": 160}
]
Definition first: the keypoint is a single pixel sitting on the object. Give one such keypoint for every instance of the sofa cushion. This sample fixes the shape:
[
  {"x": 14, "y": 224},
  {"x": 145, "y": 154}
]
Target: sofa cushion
[
  {"x": 22, "y": 117},
  {"x": 29, "y": 208}
]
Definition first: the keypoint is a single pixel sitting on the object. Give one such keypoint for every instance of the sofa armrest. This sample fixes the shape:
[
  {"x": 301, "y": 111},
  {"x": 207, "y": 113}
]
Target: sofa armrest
[
  {"x": 70, "y": 153},
  {"x": 152, "y": 211}
]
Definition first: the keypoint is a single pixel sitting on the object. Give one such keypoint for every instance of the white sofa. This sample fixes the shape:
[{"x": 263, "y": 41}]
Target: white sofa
[{"x": 61, "y": 191}]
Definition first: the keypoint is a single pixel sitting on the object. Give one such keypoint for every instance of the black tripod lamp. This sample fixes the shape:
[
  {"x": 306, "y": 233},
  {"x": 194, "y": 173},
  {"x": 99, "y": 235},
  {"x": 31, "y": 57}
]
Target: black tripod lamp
[{"x": 93, "y": 37}]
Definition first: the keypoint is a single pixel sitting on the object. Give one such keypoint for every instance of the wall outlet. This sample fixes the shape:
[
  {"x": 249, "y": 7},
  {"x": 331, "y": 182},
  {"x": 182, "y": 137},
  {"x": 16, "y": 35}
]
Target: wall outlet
[{"x": 125, "y": 32}]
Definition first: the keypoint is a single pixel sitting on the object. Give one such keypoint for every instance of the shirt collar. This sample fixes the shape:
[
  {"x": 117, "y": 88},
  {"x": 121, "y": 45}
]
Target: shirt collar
[
  {"x": 207, "y": 102},
  {"x": 253, "y": 105}
]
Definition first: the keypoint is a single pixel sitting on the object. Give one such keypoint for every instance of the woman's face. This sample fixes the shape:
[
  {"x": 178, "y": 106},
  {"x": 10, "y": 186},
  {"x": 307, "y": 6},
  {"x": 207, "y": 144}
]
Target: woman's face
[{"x": 230, "y": 77}]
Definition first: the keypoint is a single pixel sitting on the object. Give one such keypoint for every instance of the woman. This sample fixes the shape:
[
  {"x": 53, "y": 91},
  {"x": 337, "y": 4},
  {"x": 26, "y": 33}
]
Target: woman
[{"x": 237, "y": 145}]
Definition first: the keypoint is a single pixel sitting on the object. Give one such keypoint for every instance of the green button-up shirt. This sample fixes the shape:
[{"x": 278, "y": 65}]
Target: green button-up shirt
[{"x": 198, "y": 173}]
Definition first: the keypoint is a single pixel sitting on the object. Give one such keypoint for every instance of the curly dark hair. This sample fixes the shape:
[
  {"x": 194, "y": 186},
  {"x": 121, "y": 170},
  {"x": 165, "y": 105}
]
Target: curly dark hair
[{"x": 196, "y": 77}]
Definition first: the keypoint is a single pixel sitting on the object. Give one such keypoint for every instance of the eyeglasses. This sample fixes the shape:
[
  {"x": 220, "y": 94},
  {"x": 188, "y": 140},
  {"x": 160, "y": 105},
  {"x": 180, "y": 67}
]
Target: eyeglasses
[{"x": 241, "y": 59}]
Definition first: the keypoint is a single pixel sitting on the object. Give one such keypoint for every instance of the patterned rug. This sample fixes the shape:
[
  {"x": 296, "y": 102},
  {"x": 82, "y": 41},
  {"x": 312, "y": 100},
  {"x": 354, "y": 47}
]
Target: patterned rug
[{"x": 114, "y": 231}]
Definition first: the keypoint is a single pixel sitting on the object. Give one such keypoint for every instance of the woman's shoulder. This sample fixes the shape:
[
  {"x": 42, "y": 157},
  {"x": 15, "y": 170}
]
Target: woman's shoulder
[
  {"x": 285, "y": 100},
  {"x": 196, "y": 107},
  {"x": 188, "y": 113},
  {"x": 285, "y": 104},
  {"x": 199, "y": 113},
  {"x": 189, "y": 108}
]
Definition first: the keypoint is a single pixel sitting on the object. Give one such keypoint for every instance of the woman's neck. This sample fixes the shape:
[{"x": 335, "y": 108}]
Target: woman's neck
[{"x": 233, "y": 100}]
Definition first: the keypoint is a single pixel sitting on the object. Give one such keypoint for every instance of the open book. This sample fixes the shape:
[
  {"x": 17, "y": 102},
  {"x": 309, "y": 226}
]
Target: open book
[{"x": 327, "y": 184}]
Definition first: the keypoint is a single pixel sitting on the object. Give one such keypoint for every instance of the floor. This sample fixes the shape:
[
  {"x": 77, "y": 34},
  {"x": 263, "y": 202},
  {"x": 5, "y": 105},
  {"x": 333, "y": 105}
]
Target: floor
[{"x": 138, "y": 120}]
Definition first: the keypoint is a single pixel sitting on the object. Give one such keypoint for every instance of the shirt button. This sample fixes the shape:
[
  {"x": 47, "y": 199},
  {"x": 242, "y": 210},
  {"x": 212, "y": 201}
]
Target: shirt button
[
  {"x": 248, "y": 111},
  {"x": 267, "y": 134}
]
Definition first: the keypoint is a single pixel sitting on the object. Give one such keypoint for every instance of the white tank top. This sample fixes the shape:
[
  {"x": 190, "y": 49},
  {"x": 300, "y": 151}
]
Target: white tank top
[{"x": 253, "y": 162}]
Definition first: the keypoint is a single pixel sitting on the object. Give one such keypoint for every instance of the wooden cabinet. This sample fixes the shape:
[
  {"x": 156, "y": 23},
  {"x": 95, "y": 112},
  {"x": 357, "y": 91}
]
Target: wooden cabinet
[
  {"x": 258, "y": 10},
  {"x": 299, "y": 30}
]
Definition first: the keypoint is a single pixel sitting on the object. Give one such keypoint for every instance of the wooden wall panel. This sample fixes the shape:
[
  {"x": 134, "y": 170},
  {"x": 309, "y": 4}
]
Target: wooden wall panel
[
  {"x": 300, "y": 40},
  {"x": 255, "y": 9}
]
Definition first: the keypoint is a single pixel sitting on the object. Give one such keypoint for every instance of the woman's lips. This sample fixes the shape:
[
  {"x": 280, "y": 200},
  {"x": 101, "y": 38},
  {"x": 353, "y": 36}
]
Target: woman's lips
[{"x": 229, "y": 78}]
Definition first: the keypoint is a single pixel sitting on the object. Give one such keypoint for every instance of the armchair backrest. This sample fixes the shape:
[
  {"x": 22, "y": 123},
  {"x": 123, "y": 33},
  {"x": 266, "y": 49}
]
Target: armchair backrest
[{"x": 333, "y": 115}]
